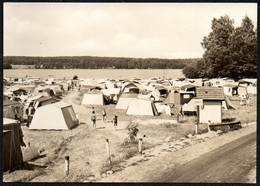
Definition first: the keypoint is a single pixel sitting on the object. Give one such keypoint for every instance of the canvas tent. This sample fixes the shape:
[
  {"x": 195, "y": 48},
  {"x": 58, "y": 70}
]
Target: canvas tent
[
  {"x": 188, "y": 87},
  {"x": 227, "y": 104},
  {"x": 242, "y": 91},
  {"x": 56, "y": 116},
  {"x": 130, "y": 87},
  {"x": 112, "y": 94},
  {"x": 173, "y": 98},
  {"x": 42, "y": 90},
  {"x": 12, "y": 109},
  {"x": 12, "y": 136},
  {"x": 93, "y": 97},
  {"x": 191, "y": 106},
  {"x": 17, "y": 91},
  {"x": 141, "y": 107},
  {"x": 162, "y": 108},
  {"x": 125, "y": 99},
  {"x": 251, "y": 89},
  {"x": 42, "y": 101}
]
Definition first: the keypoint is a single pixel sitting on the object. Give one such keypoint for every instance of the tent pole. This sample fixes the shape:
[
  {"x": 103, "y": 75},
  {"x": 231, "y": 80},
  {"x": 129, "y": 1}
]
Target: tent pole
[{"x": 11, "y": 149}]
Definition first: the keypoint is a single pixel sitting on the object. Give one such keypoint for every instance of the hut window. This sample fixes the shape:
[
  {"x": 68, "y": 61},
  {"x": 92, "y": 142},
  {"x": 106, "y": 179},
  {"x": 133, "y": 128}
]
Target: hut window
[{"x": 186, "y": 96}]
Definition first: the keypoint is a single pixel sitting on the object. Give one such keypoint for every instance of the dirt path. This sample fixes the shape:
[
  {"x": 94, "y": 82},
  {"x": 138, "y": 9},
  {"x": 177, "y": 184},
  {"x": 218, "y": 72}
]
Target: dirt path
[
  {"x": 147, "y": 169},
  {"x": 229, "y": 163}
]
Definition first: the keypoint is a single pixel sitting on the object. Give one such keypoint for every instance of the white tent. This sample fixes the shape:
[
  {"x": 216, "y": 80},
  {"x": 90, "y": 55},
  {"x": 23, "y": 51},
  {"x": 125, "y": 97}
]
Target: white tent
[
  {"x": 110, "y": 91},
  {"x": 251, "y": 89},
  {"x": 56, "y": 116},
  {"x": 141, "y": 107},
  {"x": 93, "y": 97},
  {"x": 125, "y": 99},
  {"x": 162, "y": 108},
  {"x": 242, "y": 91},
  {"x": 190, "y": 106}
]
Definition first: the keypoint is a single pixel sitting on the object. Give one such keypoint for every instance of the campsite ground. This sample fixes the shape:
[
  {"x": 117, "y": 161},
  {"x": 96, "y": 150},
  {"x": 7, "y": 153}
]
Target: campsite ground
[{"x": 87, "y": 148}]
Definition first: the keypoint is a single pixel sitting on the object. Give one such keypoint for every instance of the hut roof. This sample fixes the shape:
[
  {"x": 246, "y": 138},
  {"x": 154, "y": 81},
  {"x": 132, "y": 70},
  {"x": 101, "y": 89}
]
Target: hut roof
[
  {"x": 210, "y": 93},
  {"x": 231, "y": 85}
]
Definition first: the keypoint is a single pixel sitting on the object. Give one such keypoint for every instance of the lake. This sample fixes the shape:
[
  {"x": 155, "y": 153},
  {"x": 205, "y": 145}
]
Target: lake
[{"x": 95, "y": 73}]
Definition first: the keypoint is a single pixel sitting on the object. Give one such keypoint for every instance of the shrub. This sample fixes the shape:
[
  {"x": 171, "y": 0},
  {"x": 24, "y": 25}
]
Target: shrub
[{"x": 132, "y": 131}]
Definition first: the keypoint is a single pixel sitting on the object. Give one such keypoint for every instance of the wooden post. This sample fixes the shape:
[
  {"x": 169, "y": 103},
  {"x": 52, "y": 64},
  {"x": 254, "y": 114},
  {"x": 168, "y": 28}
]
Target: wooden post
[
  {"x": 67, "y": 162},
  {"x": 209, "y": 125},
  {"x": 198, "y": 120},
  {"x": 178, "y": 119},
  {"x": 196, "y": 129},
  {"x": 140, "y": 145},
  {"x": 108, "y": 151},
  {"x": 198, "y": 114}
]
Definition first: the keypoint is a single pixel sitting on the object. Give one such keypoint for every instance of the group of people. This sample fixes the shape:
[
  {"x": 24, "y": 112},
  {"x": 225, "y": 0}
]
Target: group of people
[
  {"x": 245, "y": 100},
  {"x": 104, "y": 114}
]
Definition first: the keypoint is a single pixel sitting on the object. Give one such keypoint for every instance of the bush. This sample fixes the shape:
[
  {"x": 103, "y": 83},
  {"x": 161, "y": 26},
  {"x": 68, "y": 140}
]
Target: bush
[{"x": 132, "y": 131}]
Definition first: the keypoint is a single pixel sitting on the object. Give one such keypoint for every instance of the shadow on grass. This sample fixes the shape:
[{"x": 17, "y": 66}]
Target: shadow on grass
[
  {"x": 38, "y": 157},
  {"x": 32, "y": 166},
  {"x": 228, "y": 120}
]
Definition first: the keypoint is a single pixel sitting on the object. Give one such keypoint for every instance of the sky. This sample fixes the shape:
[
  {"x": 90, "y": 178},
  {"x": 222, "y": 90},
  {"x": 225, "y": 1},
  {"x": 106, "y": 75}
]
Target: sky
[{"x": 140, "y": 30}]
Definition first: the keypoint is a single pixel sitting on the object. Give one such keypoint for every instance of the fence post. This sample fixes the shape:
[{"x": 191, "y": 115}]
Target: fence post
[
  {"x": 198, "y": 120},
  {"x": 67, "y": 162},
  {"x": 108, "y": 151},
  {"x": 209, "y": 126},
  {"x": 198, "y": 114},
  {"x": 140, "y": 145}
]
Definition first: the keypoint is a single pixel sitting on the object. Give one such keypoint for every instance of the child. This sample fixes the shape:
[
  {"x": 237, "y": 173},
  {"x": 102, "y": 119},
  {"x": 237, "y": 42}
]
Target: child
[
  {"x": 93, "y": 119},
  {"x": 104, "y": 115},
  {"x": 115, "y": 122}
]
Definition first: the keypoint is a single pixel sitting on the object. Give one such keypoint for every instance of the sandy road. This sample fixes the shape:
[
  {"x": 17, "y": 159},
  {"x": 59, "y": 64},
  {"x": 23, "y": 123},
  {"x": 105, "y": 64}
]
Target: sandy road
[
  {"x": 227, "y": 164},
  {"x": 229, "y": 158}
]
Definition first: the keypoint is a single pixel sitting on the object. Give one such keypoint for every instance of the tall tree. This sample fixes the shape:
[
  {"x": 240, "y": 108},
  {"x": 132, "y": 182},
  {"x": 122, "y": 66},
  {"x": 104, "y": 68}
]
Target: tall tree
[
  {"x": 216, "y": 46},
  {"x": 243, "y": 50}
]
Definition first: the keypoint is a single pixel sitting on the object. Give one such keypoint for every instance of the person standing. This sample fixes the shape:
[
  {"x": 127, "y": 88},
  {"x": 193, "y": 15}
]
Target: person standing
[
  {"x": 92, "y": 109},
  {"x": 104, "y": 114},
  {"x": 93, "y": 119},
  {"x": 31, "y": 111},
  {"x": 248, "y": 101},
  {"x": 115, "y": 122}
]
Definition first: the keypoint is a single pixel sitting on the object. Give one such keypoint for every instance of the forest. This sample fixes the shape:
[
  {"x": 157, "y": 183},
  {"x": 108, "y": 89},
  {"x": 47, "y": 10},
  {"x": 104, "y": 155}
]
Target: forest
[{"x": 89, "y": 62}]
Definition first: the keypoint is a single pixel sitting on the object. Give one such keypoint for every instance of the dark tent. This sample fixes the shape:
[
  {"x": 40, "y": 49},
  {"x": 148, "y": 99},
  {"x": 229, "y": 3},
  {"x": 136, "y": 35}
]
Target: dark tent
[{"x": 12, "y": 139}]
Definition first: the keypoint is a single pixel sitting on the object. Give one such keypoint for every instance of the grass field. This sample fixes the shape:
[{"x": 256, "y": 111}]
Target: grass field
[{"x": 87, "y": 148}]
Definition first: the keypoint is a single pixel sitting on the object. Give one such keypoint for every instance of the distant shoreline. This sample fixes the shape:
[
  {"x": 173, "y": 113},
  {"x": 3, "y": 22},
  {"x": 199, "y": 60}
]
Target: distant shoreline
[{"x": 95, "y": 73}]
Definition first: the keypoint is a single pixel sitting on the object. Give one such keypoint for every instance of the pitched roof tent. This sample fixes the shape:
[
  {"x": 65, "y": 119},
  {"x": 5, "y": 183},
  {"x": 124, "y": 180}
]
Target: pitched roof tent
[
  {"x": 210, "y": 93},
  {"x": 187, "y": 86}
]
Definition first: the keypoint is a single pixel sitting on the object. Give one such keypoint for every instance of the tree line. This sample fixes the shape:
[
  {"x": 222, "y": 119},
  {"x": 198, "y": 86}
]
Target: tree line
[
  {"x": 89, "y": 62},
  {"x": 229, "y": 51}
]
